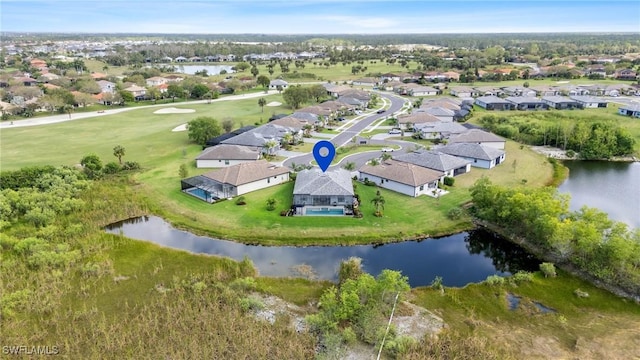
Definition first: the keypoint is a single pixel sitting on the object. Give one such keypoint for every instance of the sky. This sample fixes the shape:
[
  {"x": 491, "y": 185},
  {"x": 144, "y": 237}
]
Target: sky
[{"x": 317, "y": 16}]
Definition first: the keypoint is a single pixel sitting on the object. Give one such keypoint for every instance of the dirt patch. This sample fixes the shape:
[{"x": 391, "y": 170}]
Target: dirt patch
[
  {"x": 416, "y": 321},
  {"x": 274, "y": 103},
  {"x": 549, "y": 151},
  {"x": 274, "y": 307},
  {"x": 173, "y": 110}
]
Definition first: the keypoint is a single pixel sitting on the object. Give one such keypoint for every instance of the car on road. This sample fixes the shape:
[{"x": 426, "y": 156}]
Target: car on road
[
  {"x": 380, "y": 111},
  {"x": 341, "y": 119},
  {"x": 387, "y": 149},
  {"x": 395, "y": 131}
]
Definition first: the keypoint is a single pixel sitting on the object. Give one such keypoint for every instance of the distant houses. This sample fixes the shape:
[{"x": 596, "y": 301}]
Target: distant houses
[
  {"x": 630, "y": 110},
  {"x": 480, "y": 156}
]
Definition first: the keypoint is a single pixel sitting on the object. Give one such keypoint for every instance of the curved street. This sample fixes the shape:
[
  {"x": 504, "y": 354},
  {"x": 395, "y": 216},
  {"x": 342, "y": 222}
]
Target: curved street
[{"x": 345, "y": 137}]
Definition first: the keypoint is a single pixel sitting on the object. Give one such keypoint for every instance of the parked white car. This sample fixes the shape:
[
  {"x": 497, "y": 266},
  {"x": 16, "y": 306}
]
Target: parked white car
[
  {"x": 395, "y": 131},
  {"x": 387, "y": 149}
]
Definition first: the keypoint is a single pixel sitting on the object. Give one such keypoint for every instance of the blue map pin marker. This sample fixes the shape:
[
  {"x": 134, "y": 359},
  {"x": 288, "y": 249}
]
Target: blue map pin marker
[{"x": 324, "y": 160}]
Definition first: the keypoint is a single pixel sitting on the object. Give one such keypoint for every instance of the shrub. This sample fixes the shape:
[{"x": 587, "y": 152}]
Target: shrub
[
  {"x": 521, "y": 276},
  {"x": 349, "y": 335},
  {"x": 437, "y": 283},
  {"x": 111, "y": 168},
  {"x": 449, "y": 181},
  {"x": 243, "y": 284},
  {"x": 240, "y": 200},
  {"x": 250, "y": 303},
  {"x": 571, "y": 153},
  {"x": 494, "y": 280},
  {"x": 455, "y": 213},
  {"x": 548, "y": 269},
  {"x": 131, "y": 165},
  {"x": 271, "y": 204}
]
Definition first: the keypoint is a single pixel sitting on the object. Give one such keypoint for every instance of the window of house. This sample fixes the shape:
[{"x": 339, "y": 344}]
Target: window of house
[
  {"x": 421, "y": 187},
  {"x": 475, "y": 160},
  {"x": 226, "y": 162},
  {"x": 268, "y": 180},
  {"x": 340, "y": 199}
]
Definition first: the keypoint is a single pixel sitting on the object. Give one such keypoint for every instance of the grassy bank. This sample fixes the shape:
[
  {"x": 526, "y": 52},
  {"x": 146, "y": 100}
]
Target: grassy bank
[{"x": 598, "y": 326}]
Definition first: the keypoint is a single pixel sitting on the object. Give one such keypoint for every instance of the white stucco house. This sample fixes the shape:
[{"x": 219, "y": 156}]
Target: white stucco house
[
  {"x": 405, "y": 178},
  {"x": 273, "y": 84},
  {"x": 235, "y": 180},
  {"x": 480, "y": 156}
]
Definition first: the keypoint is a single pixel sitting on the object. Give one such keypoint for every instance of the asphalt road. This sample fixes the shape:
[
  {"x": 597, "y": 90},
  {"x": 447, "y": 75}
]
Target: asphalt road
[{"x": 346, "y": 136}]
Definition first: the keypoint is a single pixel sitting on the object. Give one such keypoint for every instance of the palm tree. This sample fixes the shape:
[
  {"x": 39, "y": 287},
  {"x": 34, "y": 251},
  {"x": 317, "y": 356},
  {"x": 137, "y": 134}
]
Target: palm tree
[
  {"x": 287, "y": 138},
  {"x": 350, "y": 166},
  {"x": 262, "y": 102},
  {"x": 68, "y": 109},
  {"x": 378, "y": 202},
  {"x": 269, "y": 146}
]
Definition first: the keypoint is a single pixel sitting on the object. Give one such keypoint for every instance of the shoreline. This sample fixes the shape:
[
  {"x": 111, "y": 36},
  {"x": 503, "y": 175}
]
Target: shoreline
[{"x": 560, "y": 154}]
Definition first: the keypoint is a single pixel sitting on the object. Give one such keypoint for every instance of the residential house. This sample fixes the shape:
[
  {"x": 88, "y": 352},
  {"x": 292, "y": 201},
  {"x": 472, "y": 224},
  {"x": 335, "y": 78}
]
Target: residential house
[
  {"x": 443, "y": 114},
  {"x": 630, "y": 110},
  {"x": 451, "y": 76},
  {"x": 626, "y": 74},
  {"x": 589, "y": 101},
  {"x": 488, "y": 91},
  {"x": 235, "y": 180},
  {"x": 138, "y": 92},
  {"x": 195, "y": 59},
  {"x": 527, "y": 103},
  {"x": 312, "y": 117},
  {"x": 156, "y": 81},
  {"x": 493, "y": 102},
  {"x": 219, "y": 139},
  {"x": 390, "y": 77},
  {"x": 545, "y": 90},
  {"x": 463, "y": 91},
  {"x": 560, "y": 102},
  {"x": 181, "y": 59},
  {"x": 323, "y": 193},
  {"x": 224, "y": 155},
  {"x": 266, "y": 137},
  {"x": 596, "y": 69},
  {"x": 402, "y": 177},
  {"x": 480, "y": 137},
  {"x": 365, "y": 82},
  {"x": 106, "y": 86},
  {"x": 406, "y": 121},
  {"x": 519, "y": 91},
  {"x": 278, "y": 84},
  {"x": 480, "y": 156},
  {"x": 423, "y": 91},
  {"x": 438, "y": 130},
  {"x": 336, "y": 90},
  {"x": 448, "y": 164},
  {"x": 174, "y": 78},
  {"x": 27, "y": 81},
  {"x": 389, "y": 86},
  {"x": 48, "y": 77}
]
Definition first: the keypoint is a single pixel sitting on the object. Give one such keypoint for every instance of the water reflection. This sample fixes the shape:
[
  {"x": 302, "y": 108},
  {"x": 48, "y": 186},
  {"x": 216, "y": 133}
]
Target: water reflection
[
  {"x": 609, "y": 186},
  {"x": 459, "y": 259}
]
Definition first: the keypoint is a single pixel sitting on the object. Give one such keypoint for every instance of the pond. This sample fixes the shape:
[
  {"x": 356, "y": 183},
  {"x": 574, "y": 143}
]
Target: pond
[
  {"x": 211, "y": 69},
  {"x": 459, "y": 259},
  {"x": 613, "y": 187}
]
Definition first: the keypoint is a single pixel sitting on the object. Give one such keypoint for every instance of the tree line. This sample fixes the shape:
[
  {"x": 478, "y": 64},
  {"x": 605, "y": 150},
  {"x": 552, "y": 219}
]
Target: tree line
[
  {"x": 592, "y": 139},
  {"x": 587, "y": 239}
]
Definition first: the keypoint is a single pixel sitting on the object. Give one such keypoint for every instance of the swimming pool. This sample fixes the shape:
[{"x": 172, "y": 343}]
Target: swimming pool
[
  {"x": 324, "y": 211},
  {"x": 199, "y": 193}
]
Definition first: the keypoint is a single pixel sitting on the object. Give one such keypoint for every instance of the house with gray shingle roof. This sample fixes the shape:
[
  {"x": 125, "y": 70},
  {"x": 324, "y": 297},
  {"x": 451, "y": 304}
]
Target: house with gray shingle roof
[
  {"x": 480, "y": 156},
  {"x": 439, "y": 130},
  {"x": 560, "y": 102},
  {"x": 630, "y": 110},
  {"x": 259, "y": 136},
  {"x": 480, "y": 137},
  {"x": 323, "y": 193},
  {"x": 492, "y": 102},
  {"x": 225, "y": 155},
  {"x": 448, "y": 164},
  {"x": 273, "y": 84},
  {"x": 235, "y": 180},
  {"x": 402, "y": 177},
  {"x": 527, "y": 103},
  {"x": 589, "y": 101},
  {"x": 440, "y": 112}
]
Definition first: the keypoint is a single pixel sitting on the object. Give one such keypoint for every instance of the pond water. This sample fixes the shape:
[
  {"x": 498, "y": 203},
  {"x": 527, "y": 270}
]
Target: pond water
[
  {"x": 211, "y": 69},
  {"x": 459, "y": 259},
  {"x": 613, "y": 187}
]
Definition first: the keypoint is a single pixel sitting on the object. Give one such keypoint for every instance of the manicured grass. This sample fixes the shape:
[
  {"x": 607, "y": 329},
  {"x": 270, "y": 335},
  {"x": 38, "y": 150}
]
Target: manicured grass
[
  {"x": 482, "y": 309},
  {"x": 147, "y": 137}
]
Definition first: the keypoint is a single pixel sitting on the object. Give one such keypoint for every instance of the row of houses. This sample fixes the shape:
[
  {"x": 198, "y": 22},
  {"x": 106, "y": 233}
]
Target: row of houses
[
  {"x": 331, "y": 193},
  {"x": 546, "y": 102},
  {"x": 251, "y": 143},
  {"x": 433, "y": 111},
  {"x": 544, "y": 90}
]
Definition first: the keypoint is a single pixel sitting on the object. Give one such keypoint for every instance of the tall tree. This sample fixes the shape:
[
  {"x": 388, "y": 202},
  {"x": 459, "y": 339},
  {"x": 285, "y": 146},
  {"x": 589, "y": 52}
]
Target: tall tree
[
  {"x": 203, "y": 128},
  {"x": 264, "y": 81},
  {"x": 262, "y": 102}
]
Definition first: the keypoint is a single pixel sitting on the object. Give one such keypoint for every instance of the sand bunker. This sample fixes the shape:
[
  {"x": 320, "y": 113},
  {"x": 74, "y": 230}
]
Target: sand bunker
[
  {"x": 173, "y": 110},
  {"x": 182, "y": 127},
  {"x": 274, "y": 103}
]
